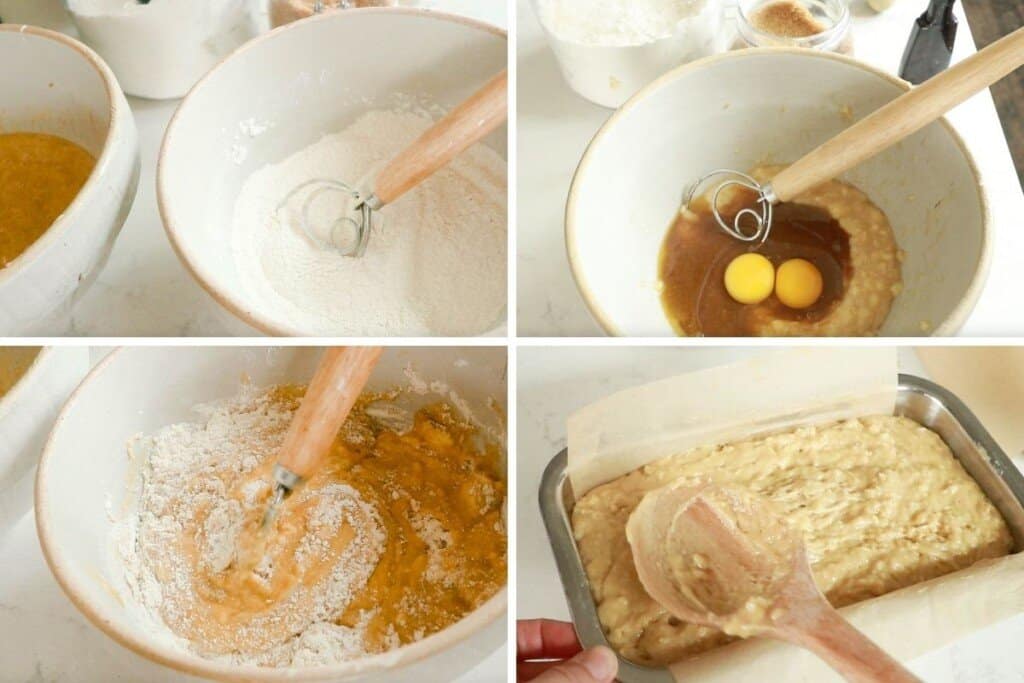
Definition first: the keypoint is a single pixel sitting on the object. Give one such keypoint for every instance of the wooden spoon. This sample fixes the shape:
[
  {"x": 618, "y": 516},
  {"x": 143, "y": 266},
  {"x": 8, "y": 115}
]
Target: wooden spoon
[
  {"x": 339, "y": 379},
  {"x": 721, "y": 557}
]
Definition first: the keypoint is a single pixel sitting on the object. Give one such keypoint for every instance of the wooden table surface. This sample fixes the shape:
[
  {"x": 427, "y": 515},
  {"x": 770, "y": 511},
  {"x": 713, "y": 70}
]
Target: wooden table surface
[{"x": 991, "y": 20}]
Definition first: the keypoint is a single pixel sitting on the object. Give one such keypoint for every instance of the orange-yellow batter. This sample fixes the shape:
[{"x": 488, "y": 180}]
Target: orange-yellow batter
[
  {"x": 14, "y": 361},
  {"x": 418, "y": 513},
  {"x": 40, "y": 175}
]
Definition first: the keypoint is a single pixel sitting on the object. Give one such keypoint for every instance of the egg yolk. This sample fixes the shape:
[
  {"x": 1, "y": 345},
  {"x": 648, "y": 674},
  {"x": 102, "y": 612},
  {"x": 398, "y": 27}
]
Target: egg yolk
[
  {"x": 750, "y": 278},
  {"x": 798, "y": 284}
]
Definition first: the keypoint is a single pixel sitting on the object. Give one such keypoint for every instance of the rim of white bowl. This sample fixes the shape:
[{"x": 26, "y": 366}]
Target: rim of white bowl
[
  {"x": 948, "y": 327},
  {"x": 13, "y": 395},
  {"x": 92, "y": 183},
  {"x": 179, "y": 660},
  {"x": 233, "y": 304}
]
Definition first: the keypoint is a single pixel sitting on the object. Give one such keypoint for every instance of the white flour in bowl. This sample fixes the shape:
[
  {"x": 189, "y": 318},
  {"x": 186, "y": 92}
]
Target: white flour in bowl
[
  {"x": 615, "y": 22},
  {"x": 438, "y": 266}
]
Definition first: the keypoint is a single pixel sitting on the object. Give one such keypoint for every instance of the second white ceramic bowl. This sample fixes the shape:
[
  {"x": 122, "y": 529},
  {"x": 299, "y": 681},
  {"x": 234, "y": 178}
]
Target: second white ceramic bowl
[
  {"x": 283, "y": 92},
  {"x": 27, "y": 412},
  {"x": 85, "y": 470},
  {"x": 747, "y": 108},
  {"x": 53, "y": 84},
  {"x": 609, "y": 75},
  {"x": 160, "y": 50}
]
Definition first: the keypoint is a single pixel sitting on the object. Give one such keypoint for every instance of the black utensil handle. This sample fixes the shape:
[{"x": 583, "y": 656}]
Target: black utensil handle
[{"x": 938, "y": 9}]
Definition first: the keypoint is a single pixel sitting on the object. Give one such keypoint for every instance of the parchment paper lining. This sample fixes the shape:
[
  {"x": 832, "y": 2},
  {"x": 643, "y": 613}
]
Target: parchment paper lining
[
  {"x": 770, "y": 393},
  {"x": 906, "y": 623}
]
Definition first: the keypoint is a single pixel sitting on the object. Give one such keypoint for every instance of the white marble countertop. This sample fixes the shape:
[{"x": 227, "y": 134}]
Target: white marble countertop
[
  {"x": 554, "y": 382},
  {"x": 45, "y": 639},
  {"x": 555, "y": 125},
  {"x": 144, "y": 290}
]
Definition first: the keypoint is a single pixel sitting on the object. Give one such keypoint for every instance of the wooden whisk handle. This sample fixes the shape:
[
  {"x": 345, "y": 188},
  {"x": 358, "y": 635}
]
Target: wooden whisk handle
[
  {"x": 339, "y": 379},
  {"x": 902, "y": 117},
  {"x": 467, "y": 124}
]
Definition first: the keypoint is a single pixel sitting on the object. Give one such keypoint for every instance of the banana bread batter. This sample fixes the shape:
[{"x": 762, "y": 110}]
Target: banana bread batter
[
  {"x": 683, "y": 563},
  {"x": 880, "y": 502},
  {"x": 15, "y": 362},
  {"x": 40, "y": 175}
]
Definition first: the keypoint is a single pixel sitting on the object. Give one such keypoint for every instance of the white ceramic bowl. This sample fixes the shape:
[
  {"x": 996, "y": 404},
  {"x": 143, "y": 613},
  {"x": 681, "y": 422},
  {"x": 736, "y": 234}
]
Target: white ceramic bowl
[
  {"x": 159, "y": 51},
  {"x": 609, "y": 75},
  {"x": 745, "y": 108},
  {"x": 27, "y": 412},
  {"x": 54, "y": 84},
  {"x": 306, "y": 79},
  {"x": 84, "y": 472}
]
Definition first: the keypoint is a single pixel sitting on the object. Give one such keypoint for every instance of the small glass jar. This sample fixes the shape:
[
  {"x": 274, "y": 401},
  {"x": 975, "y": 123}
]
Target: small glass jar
[
  {"x": 287, "y": 11},
  {"x": 813, "y": 24}
]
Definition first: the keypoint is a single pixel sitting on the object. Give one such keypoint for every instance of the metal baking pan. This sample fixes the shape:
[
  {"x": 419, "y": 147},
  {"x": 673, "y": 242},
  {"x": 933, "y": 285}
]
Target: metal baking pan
[{"x": 922, "y": 401}]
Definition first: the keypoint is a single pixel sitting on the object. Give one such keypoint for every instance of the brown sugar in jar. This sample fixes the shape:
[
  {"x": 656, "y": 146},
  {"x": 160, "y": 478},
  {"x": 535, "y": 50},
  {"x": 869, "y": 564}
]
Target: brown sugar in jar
[
  {"x": 786, "y": 19},
  {"x": 813, "y": 24}
]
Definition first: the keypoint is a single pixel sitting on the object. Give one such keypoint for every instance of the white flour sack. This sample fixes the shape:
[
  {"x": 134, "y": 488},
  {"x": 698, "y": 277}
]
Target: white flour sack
[{"x": 437, "y": 267}]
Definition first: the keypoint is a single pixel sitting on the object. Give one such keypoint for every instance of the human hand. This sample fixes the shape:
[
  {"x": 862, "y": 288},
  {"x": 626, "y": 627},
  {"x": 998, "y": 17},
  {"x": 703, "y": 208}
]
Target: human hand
[{"x": 548, "y": 651}]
